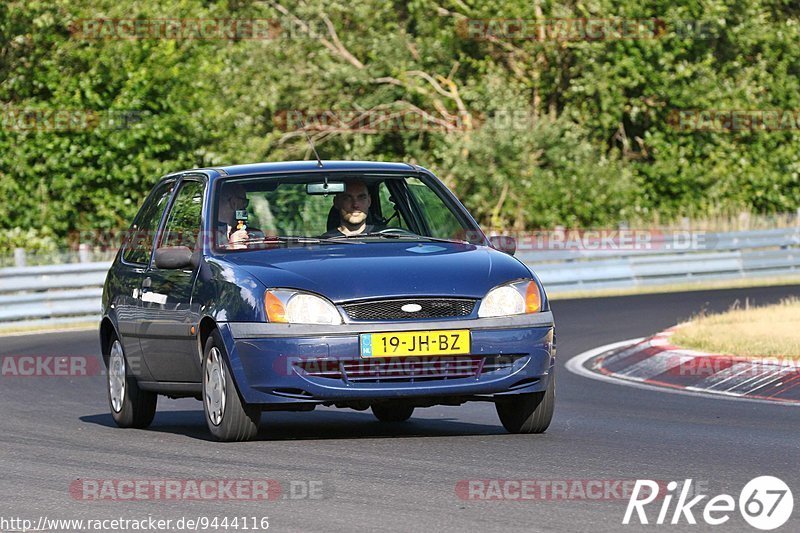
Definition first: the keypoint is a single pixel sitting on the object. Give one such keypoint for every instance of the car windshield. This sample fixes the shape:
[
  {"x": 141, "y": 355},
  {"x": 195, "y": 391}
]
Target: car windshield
[{"x": 258, "y": 212}]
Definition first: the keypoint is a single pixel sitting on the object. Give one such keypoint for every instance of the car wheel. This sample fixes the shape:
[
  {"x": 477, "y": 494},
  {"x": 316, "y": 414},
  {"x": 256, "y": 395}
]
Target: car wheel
[
  {"x": 131, "y": 407},
  {"x": 227, "y": 416},
  {"x": 392, "y": 412},
  {"x": 528, "y": 413}
]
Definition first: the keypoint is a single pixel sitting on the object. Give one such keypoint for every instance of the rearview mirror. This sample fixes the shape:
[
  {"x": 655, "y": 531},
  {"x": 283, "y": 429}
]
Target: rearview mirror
[
  {"x": 174, "y": 257},
  {"x": 330, "y": 187},
  {"x": 504, "y": 243}
]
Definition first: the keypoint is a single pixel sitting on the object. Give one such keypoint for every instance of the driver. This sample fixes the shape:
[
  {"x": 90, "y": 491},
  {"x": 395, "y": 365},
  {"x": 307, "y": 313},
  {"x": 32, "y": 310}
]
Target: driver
[{"x": 353, "y": 206}]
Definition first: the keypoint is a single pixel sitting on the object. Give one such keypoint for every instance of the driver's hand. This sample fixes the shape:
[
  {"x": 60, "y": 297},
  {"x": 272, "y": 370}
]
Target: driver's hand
[{"x": 238, "y": 238}]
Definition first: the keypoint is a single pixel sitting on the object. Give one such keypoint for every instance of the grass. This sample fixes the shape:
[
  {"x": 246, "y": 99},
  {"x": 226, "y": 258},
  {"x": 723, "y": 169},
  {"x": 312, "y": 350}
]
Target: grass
[
  {"x": 723, "y": 220},
  {"x": 739, "y": 283},
  {"x": 9, "y": 330},
  {"x": 769, "y": 331}
]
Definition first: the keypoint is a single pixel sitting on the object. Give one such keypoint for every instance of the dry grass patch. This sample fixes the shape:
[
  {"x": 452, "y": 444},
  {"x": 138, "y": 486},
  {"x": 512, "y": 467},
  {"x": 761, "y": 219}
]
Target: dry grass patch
[
  {"x": 10, "y": 329},
  {"x": 773, "y": 281},
  {"x": 772, "y": 330}
]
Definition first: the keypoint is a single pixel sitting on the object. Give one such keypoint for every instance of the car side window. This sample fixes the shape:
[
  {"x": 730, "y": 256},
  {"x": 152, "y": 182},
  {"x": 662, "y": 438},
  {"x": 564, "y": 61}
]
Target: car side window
[
  {"x": 389, "y": 209},
  {"x": 139, "y": 242},
  {"x": 184, "y": 219},
  {"x": 441, "y": 220}
]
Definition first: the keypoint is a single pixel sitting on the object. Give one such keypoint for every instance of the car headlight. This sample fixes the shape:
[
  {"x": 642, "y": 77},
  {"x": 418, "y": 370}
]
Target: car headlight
[
  {"x": 515, "y": 298},
  {"x": 297, "y": 307}
]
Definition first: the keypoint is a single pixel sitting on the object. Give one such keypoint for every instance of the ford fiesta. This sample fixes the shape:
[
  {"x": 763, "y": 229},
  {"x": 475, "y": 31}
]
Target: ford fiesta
[{"x": 284, "y": 286}]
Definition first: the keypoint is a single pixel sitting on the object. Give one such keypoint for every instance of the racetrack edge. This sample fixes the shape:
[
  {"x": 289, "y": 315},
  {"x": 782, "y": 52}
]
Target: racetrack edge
[{"x": 577, "y": 365}]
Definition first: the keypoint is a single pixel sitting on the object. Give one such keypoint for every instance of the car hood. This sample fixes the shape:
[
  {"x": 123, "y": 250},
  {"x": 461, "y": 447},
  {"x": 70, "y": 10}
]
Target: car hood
[{"x": 383, "y": 269}]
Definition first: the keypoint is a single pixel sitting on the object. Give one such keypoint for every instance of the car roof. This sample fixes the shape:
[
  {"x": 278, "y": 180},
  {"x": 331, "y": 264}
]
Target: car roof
[{"x": 303, "y": 166}]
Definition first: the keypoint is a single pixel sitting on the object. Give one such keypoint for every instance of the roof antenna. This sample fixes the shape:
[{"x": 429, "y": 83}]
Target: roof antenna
[{"x": 311, "y": 144}]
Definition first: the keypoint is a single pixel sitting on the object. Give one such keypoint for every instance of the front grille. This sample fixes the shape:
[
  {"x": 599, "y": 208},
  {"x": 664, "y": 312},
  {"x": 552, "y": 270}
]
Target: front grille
[
  {"x": 405, "y": 369},
  {"x": 392, "y": 309}
]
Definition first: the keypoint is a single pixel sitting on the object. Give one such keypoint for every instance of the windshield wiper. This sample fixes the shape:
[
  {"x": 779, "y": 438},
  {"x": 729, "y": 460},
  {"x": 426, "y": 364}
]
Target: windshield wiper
[
  {"x": 373, "y": 234},
  {"x": 411, "y": 236},
  {"x": 451, "y": 241},
  {"x": 292, "y": 239}
]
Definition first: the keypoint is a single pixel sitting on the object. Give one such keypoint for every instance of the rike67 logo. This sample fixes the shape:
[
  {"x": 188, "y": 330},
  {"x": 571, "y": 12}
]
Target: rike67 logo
[{"x": 765, "y": 503}]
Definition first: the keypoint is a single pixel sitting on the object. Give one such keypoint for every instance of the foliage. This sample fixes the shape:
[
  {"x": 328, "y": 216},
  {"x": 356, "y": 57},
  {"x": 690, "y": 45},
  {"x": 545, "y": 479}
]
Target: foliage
[
  {"x": 36, "y": 240},
  {"x": 528, "y": 133}
]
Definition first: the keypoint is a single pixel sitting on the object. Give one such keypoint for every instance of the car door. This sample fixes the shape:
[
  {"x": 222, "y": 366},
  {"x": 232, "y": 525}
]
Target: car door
[
  {"x": 130, "y": 272},
  {"x": 167, "y": 337}
]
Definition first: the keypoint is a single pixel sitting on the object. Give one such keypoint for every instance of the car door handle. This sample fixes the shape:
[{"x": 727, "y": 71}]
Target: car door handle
[{"x": 146, "y": 283}]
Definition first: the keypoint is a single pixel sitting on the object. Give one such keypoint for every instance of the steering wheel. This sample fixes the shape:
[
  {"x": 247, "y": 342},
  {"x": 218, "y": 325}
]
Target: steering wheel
[{"x": 395, "y": 231}]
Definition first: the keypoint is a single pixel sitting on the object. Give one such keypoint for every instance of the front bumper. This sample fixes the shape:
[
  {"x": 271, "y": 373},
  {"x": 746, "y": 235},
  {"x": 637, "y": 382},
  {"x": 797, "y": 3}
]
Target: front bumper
[{"x": 294, "y": 364}]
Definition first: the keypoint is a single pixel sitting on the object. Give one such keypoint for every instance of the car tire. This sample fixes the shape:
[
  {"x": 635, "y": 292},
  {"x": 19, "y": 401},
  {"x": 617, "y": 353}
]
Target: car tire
[
  {"x": 392, "y": 412},
  {"x": 229, "y": 419},
  {"x": 131, "y": 407},
  {"x": 528, "y": 413}
]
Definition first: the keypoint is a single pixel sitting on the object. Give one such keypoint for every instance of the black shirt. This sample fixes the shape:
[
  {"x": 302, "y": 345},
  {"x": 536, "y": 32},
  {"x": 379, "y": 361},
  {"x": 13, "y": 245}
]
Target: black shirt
[{"x": 336, "y": 233}]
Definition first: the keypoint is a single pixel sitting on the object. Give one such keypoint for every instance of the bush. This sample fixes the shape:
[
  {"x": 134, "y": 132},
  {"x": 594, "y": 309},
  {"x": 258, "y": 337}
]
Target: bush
[
  {"x": 599, "y": 147},
  {"x": 32, "y": 240}
]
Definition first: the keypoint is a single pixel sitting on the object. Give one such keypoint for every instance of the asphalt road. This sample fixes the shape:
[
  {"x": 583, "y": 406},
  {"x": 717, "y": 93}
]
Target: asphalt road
[{"x": 403, "y": 477}]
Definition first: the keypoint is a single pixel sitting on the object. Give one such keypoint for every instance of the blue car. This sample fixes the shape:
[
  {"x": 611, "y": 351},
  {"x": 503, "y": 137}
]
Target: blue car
[{"x": 284, "y": 286}]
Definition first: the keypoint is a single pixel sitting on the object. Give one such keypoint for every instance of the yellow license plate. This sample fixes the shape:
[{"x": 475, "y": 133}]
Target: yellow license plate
[{"x": 411, "y": 343}]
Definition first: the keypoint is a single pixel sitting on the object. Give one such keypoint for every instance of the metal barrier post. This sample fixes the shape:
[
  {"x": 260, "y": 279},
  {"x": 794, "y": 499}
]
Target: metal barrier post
[
  {"x": 20, "y": 259},
  {"x": 84, "y": 253}
]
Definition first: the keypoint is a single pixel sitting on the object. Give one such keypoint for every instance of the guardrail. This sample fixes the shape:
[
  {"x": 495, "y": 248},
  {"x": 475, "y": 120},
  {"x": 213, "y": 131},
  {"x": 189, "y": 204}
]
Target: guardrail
[
  {"x": 671, "y": 259},
  {"x": 49, "y": 292},
  {"x": 71, "y": 292}
]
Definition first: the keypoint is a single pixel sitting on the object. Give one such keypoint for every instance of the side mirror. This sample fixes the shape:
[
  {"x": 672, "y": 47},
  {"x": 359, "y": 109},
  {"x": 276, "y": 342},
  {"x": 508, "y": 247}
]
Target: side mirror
[
  {"x": 174, "y": 257},
  {"x": 504, "y": 243}
]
